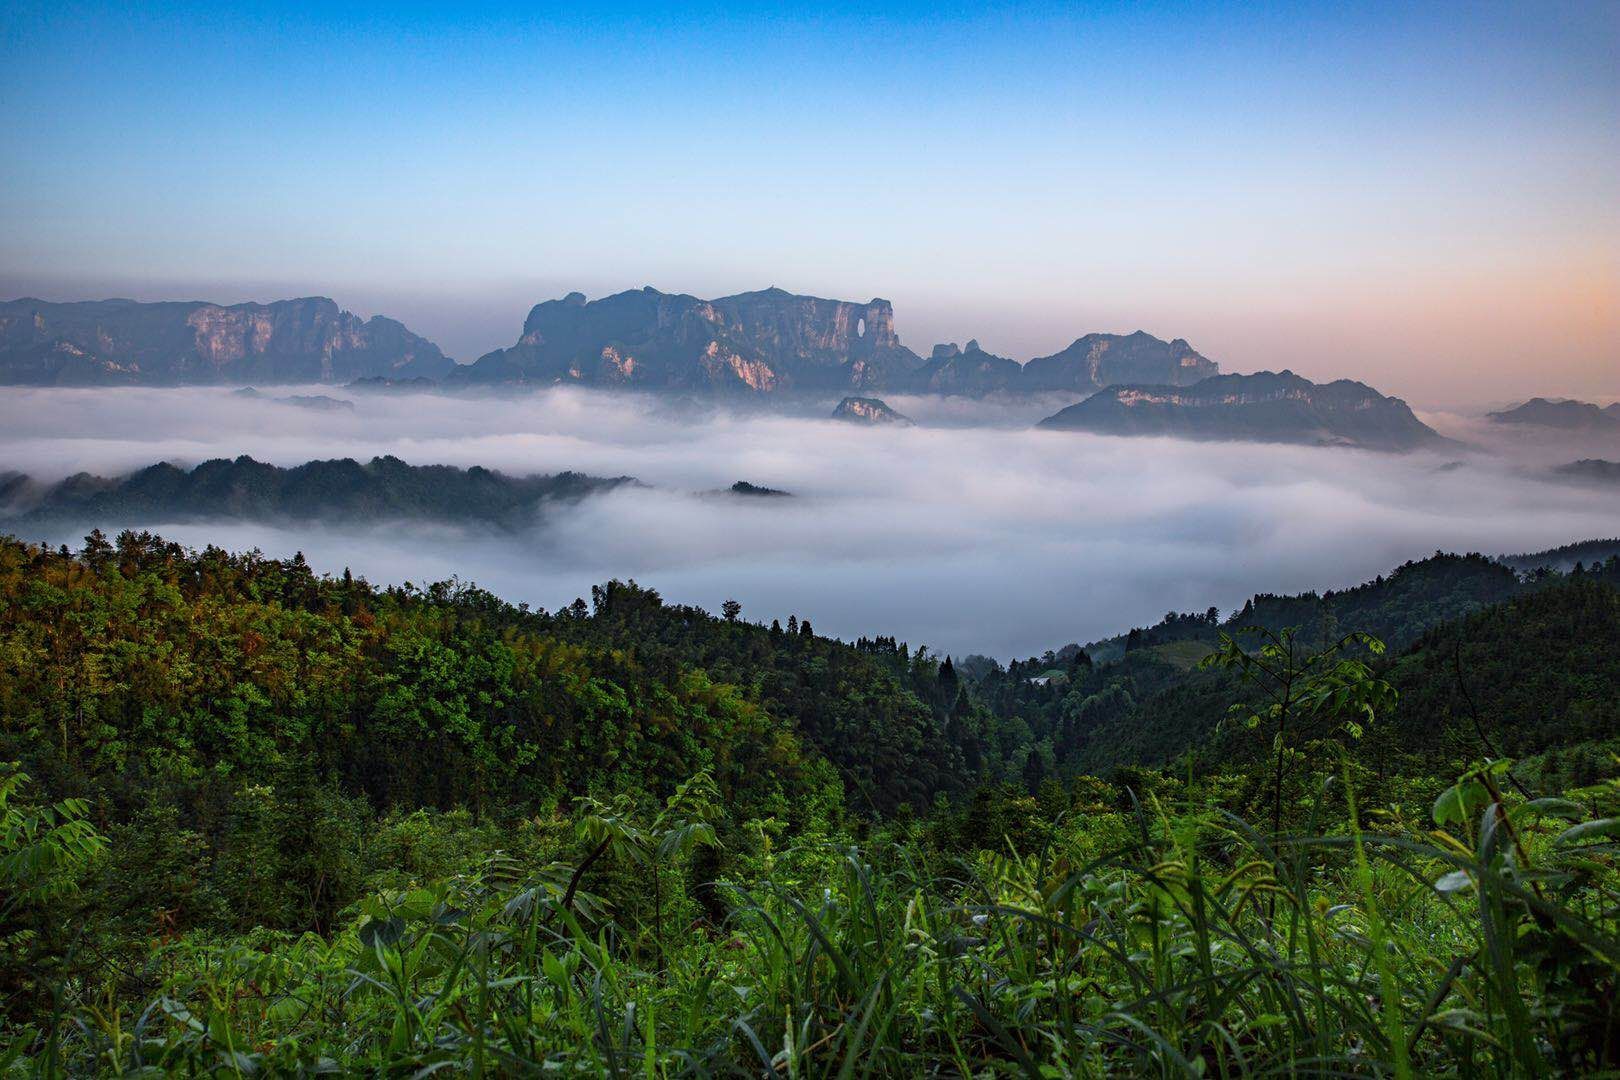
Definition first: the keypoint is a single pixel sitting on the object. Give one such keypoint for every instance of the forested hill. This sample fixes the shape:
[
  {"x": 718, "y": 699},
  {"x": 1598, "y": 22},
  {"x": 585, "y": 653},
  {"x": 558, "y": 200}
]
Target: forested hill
[
  {"x": 879, "y": 713},
  {"x": 1537, "y": 673},
  {"x": 1396, "y": 607},
  {"x": 1539, "y": 656},
  {"x": 132, "y": 662},
  {"x": 339, "y": 491},
  {"x": 144, "y": 667},
  {"x": 143, "y": 659}
]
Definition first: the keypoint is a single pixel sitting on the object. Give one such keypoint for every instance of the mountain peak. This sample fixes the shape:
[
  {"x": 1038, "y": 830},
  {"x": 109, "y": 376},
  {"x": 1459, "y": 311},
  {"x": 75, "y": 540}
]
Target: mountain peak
[
  {"x": 1098, "y": 360},
  {"x": 869, "y": 411}
]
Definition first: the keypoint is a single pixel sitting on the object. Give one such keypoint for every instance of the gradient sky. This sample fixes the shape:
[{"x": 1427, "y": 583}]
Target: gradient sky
[{"x": 1426, "y": 198}]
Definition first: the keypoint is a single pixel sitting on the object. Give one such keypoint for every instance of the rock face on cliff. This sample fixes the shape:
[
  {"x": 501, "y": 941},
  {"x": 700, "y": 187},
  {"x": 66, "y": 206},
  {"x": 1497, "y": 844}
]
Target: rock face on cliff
[
  {"x": 1099, "y": 360},
  {"x": 753, "y": 343},
  {"x": 870, "y": 411},
  {"x": 125, "y": 342},
  {"x": 1563, "y": 414},
  {"x": 1264, "y": 407}
]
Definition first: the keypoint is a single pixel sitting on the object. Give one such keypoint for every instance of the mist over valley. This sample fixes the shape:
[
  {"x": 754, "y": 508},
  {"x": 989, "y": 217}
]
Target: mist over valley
[{"x": 970, "y": 532}]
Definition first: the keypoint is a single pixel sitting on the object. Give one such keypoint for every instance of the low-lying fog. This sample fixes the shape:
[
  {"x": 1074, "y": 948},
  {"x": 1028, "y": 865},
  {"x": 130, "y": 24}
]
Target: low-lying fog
[{"x": 991, "y": 538}]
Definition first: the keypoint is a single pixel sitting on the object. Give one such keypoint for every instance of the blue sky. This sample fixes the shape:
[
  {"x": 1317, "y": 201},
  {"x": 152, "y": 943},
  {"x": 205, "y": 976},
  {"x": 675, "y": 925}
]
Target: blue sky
[{"x": 1423, "y": 197}]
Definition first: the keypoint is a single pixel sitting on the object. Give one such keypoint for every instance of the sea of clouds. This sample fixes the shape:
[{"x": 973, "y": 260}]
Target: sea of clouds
[{"x": 969, "y": 533}]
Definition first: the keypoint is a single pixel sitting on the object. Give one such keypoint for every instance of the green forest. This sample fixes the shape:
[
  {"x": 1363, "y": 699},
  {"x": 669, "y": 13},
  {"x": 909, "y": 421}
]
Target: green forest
[{"x": 259, "y": 821}]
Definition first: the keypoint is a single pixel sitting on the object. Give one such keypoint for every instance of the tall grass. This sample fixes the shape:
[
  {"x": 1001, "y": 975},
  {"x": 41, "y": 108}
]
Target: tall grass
[{"x": 1173, "y": 941}]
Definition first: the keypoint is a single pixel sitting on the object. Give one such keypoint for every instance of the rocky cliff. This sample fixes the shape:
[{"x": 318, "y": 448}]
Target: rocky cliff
[
  {"x": 752, "y": 343},
  {"x": 1265, "y": 407},
  {"x": 126, "y": 342}
]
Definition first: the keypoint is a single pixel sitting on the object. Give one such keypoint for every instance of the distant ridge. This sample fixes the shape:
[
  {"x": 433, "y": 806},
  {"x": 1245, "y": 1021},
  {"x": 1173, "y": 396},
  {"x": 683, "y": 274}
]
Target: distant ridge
[
  {"x": 313, "y": 402},
  {"x": 336, "y": 491},
  {"x": 1591, "y": 471},
  {"x": 1264, "y": 407},
  {"x": 1561, "y": 413},
  {"x": 1564, "y": 558}
]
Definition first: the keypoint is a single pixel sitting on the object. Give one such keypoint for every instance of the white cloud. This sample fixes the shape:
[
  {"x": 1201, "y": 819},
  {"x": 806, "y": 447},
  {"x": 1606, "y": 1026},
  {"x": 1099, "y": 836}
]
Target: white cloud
[{"x": 967, "y": 538}]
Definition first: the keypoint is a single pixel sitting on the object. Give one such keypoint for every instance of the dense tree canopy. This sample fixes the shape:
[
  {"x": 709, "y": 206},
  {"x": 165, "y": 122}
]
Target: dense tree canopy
[{"x": 257, "y": 819}]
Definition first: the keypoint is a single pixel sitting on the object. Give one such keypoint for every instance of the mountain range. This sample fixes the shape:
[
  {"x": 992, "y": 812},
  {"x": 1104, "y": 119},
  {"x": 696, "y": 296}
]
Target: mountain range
[
  {"x": 773, "y": 342},
  {"x": 757, "y": 345},
  {"x": 764, "y": 343}
]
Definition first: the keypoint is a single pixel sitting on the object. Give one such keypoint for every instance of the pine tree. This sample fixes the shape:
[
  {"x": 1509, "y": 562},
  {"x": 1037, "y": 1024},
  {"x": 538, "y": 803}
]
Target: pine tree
[
  {"x": 96, "y": 549},
  {"x": 960, "y": 731},
  {"x": 1034, "y": 770}
]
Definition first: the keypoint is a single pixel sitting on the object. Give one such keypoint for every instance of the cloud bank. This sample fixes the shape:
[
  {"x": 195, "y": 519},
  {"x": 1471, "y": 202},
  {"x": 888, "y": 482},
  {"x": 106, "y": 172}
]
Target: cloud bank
[{"x": 971, "y": 533}]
